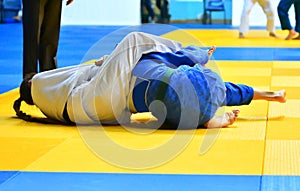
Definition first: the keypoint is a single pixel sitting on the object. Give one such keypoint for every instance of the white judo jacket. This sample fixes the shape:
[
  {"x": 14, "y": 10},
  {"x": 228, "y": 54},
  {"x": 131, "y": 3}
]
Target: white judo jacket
[{"x": 94, "y": 93}]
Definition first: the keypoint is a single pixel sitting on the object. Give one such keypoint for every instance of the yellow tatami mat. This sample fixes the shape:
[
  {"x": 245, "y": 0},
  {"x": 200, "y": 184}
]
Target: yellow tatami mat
[
  {"x": 263, "y": 141},
  {"x": 229, "y": 38},
  {"x": 39, "y": 147}
]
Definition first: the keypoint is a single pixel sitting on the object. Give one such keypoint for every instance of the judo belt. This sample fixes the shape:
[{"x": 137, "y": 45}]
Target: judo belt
[
  {"x": 164, "y": 84},
  {"x": 140, "y": 91},
  {"x": 66, "y": 115}
]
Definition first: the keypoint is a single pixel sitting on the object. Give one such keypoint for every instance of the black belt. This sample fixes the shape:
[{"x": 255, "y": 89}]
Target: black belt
[
  {"x": 165, "y": 83},
  {"x": 66, "y": 115},
  {"x": 139, "y": 95},
  {"x": 141, "y": 87}
]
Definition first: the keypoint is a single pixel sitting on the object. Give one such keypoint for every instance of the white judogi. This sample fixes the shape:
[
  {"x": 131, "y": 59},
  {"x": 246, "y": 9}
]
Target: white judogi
[
  {"x": 268, "y": 9},
  {"x": 92, "y": 92}
]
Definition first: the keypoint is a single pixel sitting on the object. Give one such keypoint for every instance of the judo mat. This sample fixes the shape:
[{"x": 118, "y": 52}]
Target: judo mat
[{"x": 260, "y": 152}]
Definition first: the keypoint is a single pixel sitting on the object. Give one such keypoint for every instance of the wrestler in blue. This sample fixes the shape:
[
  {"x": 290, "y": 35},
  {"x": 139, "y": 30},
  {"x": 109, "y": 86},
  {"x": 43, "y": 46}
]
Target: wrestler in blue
[
  {"x": 185, "y": 85},
  {"x": 144, "y": 73}
]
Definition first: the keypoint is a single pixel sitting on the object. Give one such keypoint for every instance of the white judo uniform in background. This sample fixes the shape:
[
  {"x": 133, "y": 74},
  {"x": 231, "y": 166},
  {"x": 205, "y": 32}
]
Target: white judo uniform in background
[
  {"x": 268, "y": 9},
  {"x": 97, "y": 93}
]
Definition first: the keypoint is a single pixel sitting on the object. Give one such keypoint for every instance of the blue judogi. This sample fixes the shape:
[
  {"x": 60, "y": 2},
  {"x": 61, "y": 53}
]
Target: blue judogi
[{"x": 190, "y": 92}]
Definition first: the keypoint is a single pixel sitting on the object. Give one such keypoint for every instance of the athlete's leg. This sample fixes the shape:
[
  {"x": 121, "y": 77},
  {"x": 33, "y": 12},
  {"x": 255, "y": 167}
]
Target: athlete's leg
[
  {"x": 230, "y": 117},
  {"x": 279, "y": 96},
  {"x": 244, "y": 23},
  {"x": 283, "y": 13},
  {"x": 240, "y": 94},
  {"x": 297, "y": 15},
  {"x": 267, "y": 7}
]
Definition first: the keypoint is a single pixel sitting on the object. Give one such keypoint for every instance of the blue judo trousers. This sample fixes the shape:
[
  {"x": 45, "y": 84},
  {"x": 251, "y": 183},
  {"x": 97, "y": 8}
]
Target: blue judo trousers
[
  {"x": 190, "y": 92},
  {"x": 283, "y": 13}
]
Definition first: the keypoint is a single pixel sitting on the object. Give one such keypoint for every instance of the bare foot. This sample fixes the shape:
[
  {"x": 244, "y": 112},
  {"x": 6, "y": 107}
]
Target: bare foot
[
  {"x": 272, "y": 34},
  {"x": 241, "y": 35},
  {"x": 280, "y": 96},
  {"x": 291, "y": 34},
  {"x": 224, "y": 120},
  {"x": 211, "y": 50},
  {"x": 297, "y": 38}
]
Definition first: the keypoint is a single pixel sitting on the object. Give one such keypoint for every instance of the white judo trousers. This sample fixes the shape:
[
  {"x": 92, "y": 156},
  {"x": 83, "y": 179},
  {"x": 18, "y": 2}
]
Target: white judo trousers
[
  {"x": 268, "y": 9},
  {"x": 97, "y": 93}
]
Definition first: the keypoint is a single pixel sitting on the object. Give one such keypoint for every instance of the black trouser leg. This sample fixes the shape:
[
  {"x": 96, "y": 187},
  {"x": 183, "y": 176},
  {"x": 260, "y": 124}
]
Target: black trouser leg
[
  {"x": 50, "y": 30},
  {"x": 31, "y": 25},
  {"x": 41, "y": 28}
]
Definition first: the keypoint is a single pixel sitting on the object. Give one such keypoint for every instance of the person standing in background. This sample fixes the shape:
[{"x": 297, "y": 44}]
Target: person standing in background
[
  {"x": 148, "y": 5},
  {"x": 283, "y": 9},
  {"x": 268, "y": 10},
  {"x": 163, "y": 6},
  {"x": 41, "y": 28}
]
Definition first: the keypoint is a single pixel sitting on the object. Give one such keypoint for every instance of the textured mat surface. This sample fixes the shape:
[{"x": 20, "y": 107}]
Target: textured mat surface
[{"x": 259, "y": 152}]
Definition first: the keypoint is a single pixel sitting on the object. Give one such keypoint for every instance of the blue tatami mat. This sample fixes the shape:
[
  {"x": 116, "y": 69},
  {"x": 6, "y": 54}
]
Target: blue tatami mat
[
  {"x": 6, "y": 175},
  {"x": 41, "y": 157},
  {"x": 74, "y": 44},
  {"x": 47, "y": 181},
  {"x": 280, "y": 183},
  {"x": 257, "y": 54}
]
